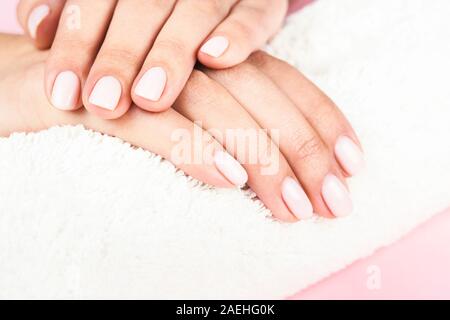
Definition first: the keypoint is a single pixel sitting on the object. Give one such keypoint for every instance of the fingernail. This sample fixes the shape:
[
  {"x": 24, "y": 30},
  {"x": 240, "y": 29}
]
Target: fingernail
[
  {"x": 336, "y": 196},
  {"x": 215, "y": 46},
  {"x": 66, "y": 91},
  {"x": 349, "y": 155},
  {"x": 230, "y": 168},
  {"x": 36, "y": 17},
  {"x": 296, "y": 199},
  {"x": 106, "y": 93},
  {"x": 152, "y": 84}
]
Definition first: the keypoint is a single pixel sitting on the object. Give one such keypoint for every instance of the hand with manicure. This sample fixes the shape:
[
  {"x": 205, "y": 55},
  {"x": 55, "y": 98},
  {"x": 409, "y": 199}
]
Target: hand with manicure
[{"x": 108, "y": 54}]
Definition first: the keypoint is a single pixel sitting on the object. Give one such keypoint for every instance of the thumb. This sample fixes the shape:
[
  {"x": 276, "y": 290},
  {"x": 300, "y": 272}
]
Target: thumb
[{"x": 249, "y": 26}]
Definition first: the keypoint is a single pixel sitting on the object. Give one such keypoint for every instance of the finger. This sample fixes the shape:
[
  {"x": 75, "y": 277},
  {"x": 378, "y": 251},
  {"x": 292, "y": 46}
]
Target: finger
[
  {"x": 107, "y": 92},
  {"x": 81, "y": 31},
  {"x": 309, "y": 157},
  {"x": 318, "y": 109},
  {"x": 173, "y": 55},
  {"x": 156, "y": 132},
  {"x": 39, "y": 19},
  {"x": 269, "y": 173},
  {"x": 248, "y": 27}
]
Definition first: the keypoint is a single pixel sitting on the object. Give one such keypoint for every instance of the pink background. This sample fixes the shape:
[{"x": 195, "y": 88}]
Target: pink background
[
  {"x": 416, "y": 267},
  {"x": 8, "y": 21}
]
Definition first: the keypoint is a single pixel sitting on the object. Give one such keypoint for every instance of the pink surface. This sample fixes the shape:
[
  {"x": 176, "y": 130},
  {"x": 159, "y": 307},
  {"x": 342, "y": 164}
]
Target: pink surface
[
  {"x": 416, "y": 267},
  {"x": 8, "y": 21}
]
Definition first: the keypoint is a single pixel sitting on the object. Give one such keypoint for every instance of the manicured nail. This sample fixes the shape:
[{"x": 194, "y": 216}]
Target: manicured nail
[
  {"x": 215, "y": 46},
  {"x": 152, "y": 84},
  {"x": 349, "y": 155},
  {"x": 66, "y": 91},
  {"x": 106, "y": 93},
  {"x": 296, "y": 199},
  {"x": 230, "y": 168},
  {"x": 336, "y": 196},
  {"x": 36, "y": 17}
]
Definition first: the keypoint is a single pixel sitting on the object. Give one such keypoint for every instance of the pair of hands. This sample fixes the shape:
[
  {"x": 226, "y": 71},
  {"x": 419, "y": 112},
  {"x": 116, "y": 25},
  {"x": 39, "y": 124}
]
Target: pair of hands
[
  {"x": 310, "y": 144},
  {"x": 305, "y": 146}
]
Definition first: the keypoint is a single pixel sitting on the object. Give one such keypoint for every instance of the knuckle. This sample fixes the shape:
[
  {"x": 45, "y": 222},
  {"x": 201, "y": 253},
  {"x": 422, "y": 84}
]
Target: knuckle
[
  {"x": 240, "y": 73},
  {"x": 72, "y": 51},
  {"x": 243, "y": 28},
  {"x": 73, "y": 45},
  {"x": 121, "y": 61},
  {"x": 119, "y": 55},
  {"x": 277, "y": 9},
  {"x": 306, "y": 147},
  {"x": 160, "y": 5},
  {"x": 209, "y": 8},
  {"x": 252, "y": 9},
  {"x": 170, "y": 46}
]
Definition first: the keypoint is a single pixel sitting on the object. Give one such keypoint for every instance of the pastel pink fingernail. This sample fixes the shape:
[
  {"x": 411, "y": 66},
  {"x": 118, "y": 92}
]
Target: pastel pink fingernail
[
  {"x": 336, "y": 196},
  {"x": 216, "y": 46},
  {"x": 296, "y": 199},
  {"x": 66, "y": 91},
  {"x": 349, "y": 155},
  {"x": 230, "y": 168},
  {"x": 106, "y": 93},
  {"x": 36, "y": 17},
  {"x": 151, "y": 85}
]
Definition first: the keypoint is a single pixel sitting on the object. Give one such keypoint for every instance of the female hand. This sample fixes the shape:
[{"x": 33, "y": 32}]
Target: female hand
[
  {"x": 107, "y": 54},
  {"x": 309, "y": 147}
]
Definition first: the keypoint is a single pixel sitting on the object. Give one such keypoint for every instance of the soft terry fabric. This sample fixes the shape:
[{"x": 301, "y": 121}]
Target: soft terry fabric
[{"x": 85, "y": 215}]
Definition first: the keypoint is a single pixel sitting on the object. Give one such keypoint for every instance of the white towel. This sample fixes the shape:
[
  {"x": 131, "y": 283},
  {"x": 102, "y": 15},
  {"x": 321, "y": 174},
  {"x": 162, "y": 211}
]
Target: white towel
[{"x": 87, "y": 216}]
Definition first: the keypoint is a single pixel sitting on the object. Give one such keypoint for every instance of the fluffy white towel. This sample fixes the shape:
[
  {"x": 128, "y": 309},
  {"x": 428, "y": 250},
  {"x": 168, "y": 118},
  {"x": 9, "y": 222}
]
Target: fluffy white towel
[{"x": 86, "y": 216}]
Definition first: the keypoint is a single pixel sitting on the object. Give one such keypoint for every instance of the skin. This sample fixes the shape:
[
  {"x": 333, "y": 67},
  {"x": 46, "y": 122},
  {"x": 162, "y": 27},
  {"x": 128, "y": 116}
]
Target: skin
[
  {"x": 161, "y": 34},
  {"x": 309, "y": 124}
]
